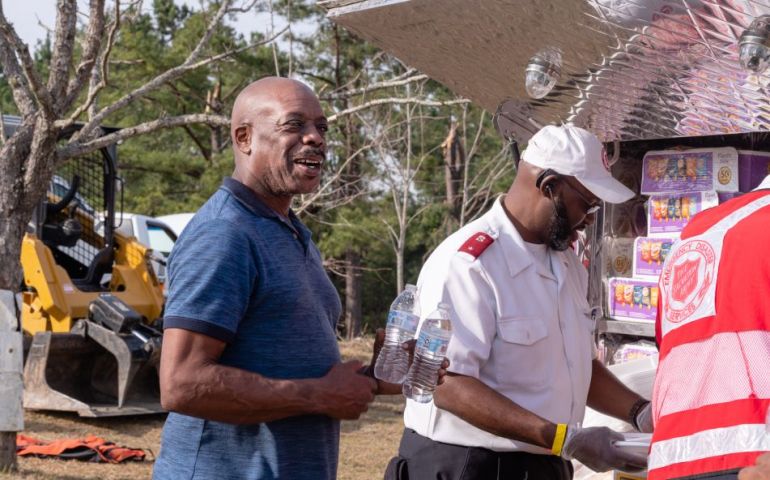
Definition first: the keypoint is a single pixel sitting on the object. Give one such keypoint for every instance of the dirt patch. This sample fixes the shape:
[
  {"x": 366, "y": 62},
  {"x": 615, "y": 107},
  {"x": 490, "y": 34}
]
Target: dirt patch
[{"x": 366, "y": 445}]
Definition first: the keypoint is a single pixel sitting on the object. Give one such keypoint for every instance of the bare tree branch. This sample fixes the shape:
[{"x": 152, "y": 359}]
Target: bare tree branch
[
  {"x": 397, "y": 101},
  {"x": 3, "y": 138},
  {"x": 305, "y": 203},
  {"x": 92, "y": 46},
  {"x": 417, "y": 213},
  {"x": 167, "y": 76},
  {"x": 354, "y": 79},
  {"x": 63, "y": 48},
  {"x": 309, "y": 74},
  {"x": 338, "y": 197},
  {"x": 81, "y": 148},
  {"x": 42, "y": 25},
  {"x": 17, "y": 64},
  {"x": 371, "y": 88},
  {"x": 99, "y": 77},
  {"x": 482, "y": 183},
  {"x": 190, "y": 63},
  {"x": 126, "y": 62},
  {"x": 341, "y": 267},
  {"x": 244, "y": 9},
  {"x": 476, "y": 139},
  {"x": 205, "y": 152},
  {"x": 274, "y": 47},
  {"x": 393, "y": 234},
  {"x": 466, "y": 167}
]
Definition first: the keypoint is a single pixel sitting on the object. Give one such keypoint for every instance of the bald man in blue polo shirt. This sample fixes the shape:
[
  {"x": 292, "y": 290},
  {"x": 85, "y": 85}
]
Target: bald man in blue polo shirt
[{"x": 250, "y": 367}]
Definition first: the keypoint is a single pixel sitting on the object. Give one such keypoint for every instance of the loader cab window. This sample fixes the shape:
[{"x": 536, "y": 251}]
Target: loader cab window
[
  {"x": 161, "y": 238},
  {"x": 59, "y": 188}
]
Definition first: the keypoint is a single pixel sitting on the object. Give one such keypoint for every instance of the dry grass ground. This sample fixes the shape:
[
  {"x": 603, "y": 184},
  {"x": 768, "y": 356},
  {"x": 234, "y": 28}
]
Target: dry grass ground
[{"x": 366, "y": 447}]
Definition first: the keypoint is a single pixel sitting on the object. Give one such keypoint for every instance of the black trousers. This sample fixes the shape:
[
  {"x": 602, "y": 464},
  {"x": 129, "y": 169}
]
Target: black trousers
[{"x": 420, "y": 458}]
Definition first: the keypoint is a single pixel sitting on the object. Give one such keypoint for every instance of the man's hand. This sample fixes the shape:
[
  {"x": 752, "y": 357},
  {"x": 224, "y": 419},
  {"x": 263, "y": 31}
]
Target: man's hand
[
  {"x": 594, "y": 448},
  {"x": 395, "y": 388},
  {"x": 345, "y": 393},
  {"x": 760, "y": 471}
]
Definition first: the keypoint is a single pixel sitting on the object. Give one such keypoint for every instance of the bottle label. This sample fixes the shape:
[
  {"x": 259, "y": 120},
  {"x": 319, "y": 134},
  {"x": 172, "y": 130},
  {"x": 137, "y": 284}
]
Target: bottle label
[
  {"x": 436, "y": 345},
  {"x": 404, "y": 320}
]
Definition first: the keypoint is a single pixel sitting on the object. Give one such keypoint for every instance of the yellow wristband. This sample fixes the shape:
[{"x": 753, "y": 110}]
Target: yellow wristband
[{"x": 558, "y": 439}]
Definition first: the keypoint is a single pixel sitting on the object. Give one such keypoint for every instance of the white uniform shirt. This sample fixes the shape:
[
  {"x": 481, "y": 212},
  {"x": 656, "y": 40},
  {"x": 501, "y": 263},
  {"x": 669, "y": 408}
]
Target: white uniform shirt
[
  {"x": 509, "y": 330},
  {"x": 765, "y": 184}
]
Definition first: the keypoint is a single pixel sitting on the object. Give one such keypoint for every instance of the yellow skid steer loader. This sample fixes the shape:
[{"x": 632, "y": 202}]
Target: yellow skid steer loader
[{"x": 91, "y": 301}]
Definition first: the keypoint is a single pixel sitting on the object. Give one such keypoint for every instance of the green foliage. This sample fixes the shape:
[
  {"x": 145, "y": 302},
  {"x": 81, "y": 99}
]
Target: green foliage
[
  {"x": 172, "y": 170},
  {"x": 176, "y": 170}
]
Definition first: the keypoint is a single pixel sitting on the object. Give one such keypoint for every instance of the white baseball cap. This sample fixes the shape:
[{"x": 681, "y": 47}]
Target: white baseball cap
[{"x": 573, "y": 151}]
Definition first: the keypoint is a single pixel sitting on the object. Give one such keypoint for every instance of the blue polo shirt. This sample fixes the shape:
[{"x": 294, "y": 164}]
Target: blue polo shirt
[{"x": 245, "y": 275}]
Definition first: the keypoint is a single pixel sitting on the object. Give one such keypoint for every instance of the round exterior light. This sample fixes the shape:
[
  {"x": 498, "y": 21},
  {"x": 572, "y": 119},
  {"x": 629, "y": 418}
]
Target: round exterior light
[
  {"x": 754, "y": 47},
  {"x": 542, "y": 73}
]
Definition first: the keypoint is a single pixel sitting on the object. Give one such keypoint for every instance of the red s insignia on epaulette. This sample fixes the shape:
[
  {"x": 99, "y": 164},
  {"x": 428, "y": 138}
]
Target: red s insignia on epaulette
[{"x": 476, "y": 245}]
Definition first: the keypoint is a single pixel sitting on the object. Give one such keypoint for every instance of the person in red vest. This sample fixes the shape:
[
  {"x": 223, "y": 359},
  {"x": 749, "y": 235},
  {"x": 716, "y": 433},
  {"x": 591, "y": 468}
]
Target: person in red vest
[{"x": 712, "y": 388}]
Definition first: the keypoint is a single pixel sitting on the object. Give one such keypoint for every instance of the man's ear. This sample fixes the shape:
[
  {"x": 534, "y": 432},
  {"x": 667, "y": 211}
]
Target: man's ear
[
  {"x": 548, "y": 185},
  {"x": 243, "y": 139}
]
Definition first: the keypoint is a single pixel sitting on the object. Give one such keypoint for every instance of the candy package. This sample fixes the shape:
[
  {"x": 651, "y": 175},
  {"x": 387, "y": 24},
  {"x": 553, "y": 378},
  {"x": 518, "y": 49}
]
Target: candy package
[
  {"x": 694, "y": 170},
  {"x": 649, "y": 255},
  {"x": 668, "y": 214},
  {"x": 632, "y": 299},
  {"x": 634, "y": 351}
]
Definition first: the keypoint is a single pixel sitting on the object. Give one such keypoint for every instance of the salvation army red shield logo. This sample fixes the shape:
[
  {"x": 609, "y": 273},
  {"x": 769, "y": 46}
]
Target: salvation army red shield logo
[{"x": 687, "y": 277}]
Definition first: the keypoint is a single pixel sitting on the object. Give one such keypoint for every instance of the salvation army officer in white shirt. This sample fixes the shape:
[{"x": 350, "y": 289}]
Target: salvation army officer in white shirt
[{"x": 522, "y": 366}]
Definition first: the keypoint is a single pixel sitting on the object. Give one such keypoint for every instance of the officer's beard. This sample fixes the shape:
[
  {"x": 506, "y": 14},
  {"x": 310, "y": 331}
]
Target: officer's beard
[{"x": 559, "y": 228}]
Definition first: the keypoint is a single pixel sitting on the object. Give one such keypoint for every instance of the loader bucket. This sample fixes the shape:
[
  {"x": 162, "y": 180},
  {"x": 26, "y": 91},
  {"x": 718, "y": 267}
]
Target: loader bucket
[{"x": 94, "y": 372}]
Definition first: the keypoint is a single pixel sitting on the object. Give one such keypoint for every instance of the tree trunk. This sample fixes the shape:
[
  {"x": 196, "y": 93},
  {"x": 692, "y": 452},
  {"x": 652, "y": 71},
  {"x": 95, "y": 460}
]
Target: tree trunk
[
  {"x": 349, "y": 180},
  {"x": 454, "y": 162},
  {"x": 11, "y": 233},
  {"x": 214, "y": 104},
  {"x": 400, "y": 248},
  {"x": 353, "y": 311}
]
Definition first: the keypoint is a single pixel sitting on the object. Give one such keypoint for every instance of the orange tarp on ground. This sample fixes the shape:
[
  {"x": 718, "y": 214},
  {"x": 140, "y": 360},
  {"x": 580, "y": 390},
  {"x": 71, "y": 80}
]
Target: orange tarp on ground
[{"x": 91, "y": 448}]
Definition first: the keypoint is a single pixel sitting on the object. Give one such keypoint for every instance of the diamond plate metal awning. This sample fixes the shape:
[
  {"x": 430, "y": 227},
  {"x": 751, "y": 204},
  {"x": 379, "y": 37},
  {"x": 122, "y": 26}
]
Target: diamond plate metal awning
[{"x": 632, "y": 69}]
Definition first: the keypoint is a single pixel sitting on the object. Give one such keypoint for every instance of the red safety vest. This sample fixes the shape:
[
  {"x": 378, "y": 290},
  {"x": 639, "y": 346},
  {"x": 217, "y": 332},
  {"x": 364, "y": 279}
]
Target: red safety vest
[{"x": 712, "y": 387}]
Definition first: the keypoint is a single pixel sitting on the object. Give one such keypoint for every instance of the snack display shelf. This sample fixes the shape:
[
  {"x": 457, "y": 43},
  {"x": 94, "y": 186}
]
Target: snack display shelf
[{"x": 625, "y": 327}]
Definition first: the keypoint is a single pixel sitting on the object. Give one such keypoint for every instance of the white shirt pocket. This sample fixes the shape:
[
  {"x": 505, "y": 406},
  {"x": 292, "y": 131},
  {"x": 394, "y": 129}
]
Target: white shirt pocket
[{"x": 524, "y": 359}]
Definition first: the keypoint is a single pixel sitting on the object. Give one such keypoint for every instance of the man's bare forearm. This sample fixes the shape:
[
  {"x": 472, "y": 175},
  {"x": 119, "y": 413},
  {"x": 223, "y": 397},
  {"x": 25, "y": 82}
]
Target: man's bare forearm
[
  {"x": 608, "y": 395},
  {"x": 193, "y": 382},
  {"x": 484, "y": 408},
  {"x": 231, "y": 395}
]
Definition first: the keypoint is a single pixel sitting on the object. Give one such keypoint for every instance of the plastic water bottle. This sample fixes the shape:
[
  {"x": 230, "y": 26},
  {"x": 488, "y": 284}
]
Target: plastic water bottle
[
  {"x": 393, "y": 361},
  {"x": 435, "y": 333}
]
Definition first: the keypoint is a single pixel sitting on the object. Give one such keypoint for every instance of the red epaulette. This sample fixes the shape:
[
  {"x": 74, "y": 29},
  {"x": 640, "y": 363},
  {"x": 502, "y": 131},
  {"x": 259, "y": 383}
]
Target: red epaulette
[{"x": 476, "y": 245}]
